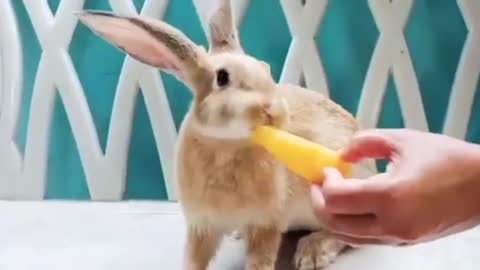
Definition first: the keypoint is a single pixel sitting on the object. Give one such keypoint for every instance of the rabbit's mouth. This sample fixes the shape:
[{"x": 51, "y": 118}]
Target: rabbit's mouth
[
  {"x": 235, "y": 129},
  {"x": 239, "y": 126},
  {"x": 269, "y": 119},
  {"x": 272, "y": 121},
  {"x": 276, "y": 114}
]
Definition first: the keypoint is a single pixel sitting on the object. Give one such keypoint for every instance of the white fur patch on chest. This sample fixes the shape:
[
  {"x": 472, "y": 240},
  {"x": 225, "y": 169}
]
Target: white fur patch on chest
[{"x": 234, "y": 129}]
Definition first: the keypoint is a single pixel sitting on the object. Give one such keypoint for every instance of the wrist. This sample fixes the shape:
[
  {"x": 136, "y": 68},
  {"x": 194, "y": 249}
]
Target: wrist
[
  {"x": 472, "y": 160},
  {"x": 471, "y": 173}
]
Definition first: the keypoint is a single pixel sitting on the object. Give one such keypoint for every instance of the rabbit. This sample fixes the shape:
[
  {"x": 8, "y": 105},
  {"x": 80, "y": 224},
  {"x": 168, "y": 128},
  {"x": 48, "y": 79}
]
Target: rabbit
[{"x": 225, "y": 183}]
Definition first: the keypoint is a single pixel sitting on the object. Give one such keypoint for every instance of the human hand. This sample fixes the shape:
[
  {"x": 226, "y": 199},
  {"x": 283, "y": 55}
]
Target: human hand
[{"x": 430, "y": 189}]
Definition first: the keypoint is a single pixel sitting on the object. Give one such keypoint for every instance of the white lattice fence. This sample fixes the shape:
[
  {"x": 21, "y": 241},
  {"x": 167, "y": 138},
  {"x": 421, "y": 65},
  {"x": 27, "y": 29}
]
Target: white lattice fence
[{"x": 24, "y": 176}]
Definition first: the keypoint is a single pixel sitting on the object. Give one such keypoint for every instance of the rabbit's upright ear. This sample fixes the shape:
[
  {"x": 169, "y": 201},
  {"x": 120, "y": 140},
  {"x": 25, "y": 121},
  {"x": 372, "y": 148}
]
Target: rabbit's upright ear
[
  {"x": 222, "y": 28},
  {"x": 150, "y": 41}
]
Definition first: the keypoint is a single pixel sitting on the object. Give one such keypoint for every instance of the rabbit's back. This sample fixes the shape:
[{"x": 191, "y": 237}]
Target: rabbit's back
[{"x": 316, "y": 118}]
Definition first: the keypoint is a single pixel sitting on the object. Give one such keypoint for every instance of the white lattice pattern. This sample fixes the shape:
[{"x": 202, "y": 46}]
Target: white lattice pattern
[
  {"x": 468, "y": 72},
  {"x": 391, "y": 56},
  {"x": 24, "y": 176},
  {"x": 303, "y": 58},
  {"x": 105, "y": 173}
]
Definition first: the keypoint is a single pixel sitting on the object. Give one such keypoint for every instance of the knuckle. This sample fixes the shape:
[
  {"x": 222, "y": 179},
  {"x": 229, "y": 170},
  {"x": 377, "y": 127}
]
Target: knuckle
[
  {"x": 391, "y": 197},
  {"x": 328, "y": 198},
  {"x": 332, "y": 200}
]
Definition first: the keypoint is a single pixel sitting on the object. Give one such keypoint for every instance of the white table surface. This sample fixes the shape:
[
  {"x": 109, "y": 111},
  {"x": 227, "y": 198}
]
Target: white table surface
[{"x": 149, "y": 236}]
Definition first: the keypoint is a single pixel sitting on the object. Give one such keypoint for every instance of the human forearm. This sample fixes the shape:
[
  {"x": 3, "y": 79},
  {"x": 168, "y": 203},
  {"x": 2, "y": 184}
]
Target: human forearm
[{"x": 471, "y": 172}]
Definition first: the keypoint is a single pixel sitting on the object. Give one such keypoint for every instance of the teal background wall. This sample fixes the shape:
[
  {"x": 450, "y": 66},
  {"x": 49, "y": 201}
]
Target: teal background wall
[{"x": 435, "y": 35}]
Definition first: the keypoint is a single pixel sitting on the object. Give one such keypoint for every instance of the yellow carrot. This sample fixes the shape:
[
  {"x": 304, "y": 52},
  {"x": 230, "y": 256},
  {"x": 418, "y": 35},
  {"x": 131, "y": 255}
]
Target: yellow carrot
[{"x": 301, "y": 156}]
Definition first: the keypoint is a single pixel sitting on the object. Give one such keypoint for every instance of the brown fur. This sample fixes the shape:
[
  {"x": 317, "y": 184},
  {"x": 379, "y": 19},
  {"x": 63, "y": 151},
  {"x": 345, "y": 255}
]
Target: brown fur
[{"x": 225, "y": 182}]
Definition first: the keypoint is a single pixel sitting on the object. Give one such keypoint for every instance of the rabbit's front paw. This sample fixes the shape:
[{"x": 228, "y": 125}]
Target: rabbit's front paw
[
  {"x": 316, "y": 251},
  {"x": 262, "y": 247}
]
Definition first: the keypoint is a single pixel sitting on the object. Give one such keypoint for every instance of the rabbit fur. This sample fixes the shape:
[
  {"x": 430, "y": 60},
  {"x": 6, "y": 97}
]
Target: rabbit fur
[{"x": 224, "y": 182}]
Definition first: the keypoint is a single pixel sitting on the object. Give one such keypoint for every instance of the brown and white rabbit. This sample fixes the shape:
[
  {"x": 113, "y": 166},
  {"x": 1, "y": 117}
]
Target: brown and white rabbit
[{"x": 224, "y": 182}]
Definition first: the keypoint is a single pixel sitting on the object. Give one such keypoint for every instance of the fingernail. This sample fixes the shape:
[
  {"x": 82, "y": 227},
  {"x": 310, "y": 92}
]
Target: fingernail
[{"x": 332, "y": 173}]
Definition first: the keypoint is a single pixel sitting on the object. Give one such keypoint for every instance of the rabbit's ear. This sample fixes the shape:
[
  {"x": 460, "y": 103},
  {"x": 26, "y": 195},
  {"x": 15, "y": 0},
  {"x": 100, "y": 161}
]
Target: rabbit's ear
[
  {"x": 152, "y": 42},
  {"x": 222, "y": 28}
]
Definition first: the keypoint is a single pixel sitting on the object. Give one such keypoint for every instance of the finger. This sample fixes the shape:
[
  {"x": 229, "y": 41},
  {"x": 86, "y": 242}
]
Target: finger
[
  {"x": 356, "y": 241},
  {"x": 374, "y": 144},
  {"x": 358, "y": 226},
  {"x": 353, "y": 225},
  {"x": 316, "y": 196},
  {"x": 351, "y": 196}
]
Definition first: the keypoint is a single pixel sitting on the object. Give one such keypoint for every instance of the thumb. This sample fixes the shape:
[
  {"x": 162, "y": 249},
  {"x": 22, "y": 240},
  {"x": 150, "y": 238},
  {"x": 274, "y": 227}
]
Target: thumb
[{"x": 376, "y": 144}]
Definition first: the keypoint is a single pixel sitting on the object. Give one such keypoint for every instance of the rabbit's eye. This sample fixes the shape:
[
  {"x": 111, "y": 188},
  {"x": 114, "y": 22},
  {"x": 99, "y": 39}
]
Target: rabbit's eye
[{"x": 223, "y": 78}]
